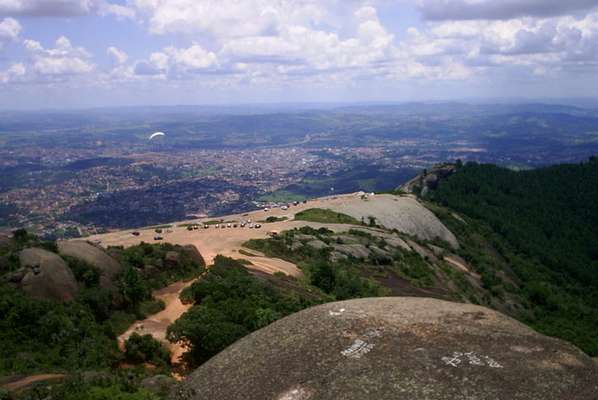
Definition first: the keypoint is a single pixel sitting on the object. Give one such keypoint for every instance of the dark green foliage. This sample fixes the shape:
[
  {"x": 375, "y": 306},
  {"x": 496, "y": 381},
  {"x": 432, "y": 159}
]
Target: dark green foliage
[
  {"x": 544, "y": 224},
  {"x": 142, "y": 349},
  {"x": 272, "y": 219},
  {"x": 117, "y": 386},
  {"x": 163, "y": 274},
  {"x": 415, "y": 269},
  {"x": 325, "y": 216},
  {"x": 41, "y": 336},
  {"x": 133, "y": 288},
  {"x": 342, "y": 280},
  {"x": 230, "y": 303},
  {"x": 85, "y": 273}
]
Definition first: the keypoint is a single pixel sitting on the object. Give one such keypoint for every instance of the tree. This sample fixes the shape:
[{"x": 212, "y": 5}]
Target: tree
[
  {"x": 133, "y": 289},
  {"x": 139, "y": 349},
  {"x": 206, "y": 331}
]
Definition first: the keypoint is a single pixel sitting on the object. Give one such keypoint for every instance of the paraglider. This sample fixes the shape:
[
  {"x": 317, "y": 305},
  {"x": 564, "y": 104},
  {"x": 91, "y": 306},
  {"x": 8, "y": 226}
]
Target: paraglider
[{"x": 157, "y": 134}]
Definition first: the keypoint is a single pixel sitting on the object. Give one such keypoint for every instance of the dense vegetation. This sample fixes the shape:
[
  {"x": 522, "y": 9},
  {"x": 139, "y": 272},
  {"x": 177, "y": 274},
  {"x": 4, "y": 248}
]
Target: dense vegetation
[
  {"x": 229, "y": 304},
  {"x": 43, "y": 336},
  {"x": 544, "y": 224},
  {"x": 325, "y": 216},
  {"x": 341, "y": 279}
]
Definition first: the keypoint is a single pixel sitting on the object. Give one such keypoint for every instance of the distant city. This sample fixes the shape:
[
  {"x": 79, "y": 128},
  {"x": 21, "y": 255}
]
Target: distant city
[{"x": 80, "y": 173}]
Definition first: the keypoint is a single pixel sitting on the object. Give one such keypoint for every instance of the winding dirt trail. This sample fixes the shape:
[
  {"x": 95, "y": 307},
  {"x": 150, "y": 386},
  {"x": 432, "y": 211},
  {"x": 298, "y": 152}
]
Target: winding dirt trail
[
  {"x": 24, "y": 382},
  {"x": 157, "y": 324},
  {"x": 228, "y": 242}
]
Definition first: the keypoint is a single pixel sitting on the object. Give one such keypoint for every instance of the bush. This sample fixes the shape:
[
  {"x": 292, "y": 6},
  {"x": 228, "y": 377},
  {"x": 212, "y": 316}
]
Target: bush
[{"x": 141, "y": 349}]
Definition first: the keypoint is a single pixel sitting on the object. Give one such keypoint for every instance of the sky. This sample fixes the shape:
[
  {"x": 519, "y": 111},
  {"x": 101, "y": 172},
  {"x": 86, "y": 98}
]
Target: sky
[{"x": 91, "y": 53}]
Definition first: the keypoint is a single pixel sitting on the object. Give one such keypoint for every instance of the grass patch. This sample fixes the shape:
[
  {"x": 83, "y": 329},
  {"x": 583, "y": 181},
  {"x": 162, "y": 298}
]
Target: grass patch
[
  {"x": 325, "y": 216},
  {"x": 272, "y": 219},
  {"x": 246, "y": 253}
]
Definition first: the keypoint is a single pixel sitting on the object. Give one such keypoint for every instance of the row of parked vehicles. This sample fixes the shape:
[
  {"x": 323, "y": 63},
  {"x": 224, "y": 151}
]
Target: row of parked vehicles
[{"x": 225, "y": 225}]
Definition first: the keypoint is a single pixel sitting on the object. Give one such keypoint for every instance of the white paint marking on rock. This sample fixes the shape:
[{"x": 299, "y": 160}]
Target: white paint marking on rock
[
  {"x": 297, "y": 393},
  {"x": 357, "y": 349},
  {"x": 472, "y": 358},
  {"x": 336, "y": 313}
]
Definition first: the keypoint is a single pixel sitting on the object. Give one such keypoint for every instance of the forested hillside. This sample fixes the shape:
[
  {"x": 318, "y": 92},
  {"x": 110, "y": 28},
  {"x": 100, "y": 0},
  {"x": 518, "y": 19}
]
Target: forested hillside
[{"x": 544, "y": 223}]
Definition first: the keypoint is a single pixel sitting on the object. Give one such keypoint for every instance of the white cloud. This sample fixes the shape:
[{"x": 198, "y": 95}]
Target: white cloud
[
  {"x": 119, "y": 11},
  {"x": 228, "y": 18},
  {"x": 9, "y": 30},
  {"x": 192, "y": 58},
  {"x": 14, "y": 72},
  {"x": 119, "y": 56},
  {"x": 62, "y": 60}
]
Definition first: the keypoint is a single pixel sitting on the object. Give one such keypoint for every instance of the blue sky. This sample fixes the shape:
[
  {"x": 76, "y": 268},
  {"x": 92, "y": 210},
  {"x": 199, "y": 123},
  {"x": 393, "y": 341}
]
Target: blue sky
[{"x": 86, "y": 53}]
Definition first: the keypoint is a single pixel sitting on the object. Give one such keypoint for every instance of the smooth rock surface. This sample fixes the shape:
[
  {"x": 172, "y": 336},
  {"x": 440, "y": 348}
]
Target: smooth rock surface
[
  {"x": 395, "y": 348},
  {"x": 46, "y": 276}
]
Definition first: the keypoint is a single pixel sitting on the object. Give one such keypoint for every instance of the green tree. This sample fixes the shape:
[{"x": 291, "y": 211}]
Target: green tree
[{"x": 133, "y": 289}]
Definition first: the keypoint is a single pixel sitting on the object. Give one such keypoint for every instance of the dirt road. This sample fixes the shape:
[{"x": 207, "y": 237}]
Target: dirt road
[
  {"x": 229, "y": 241},
  {"x": 20, "y": 383}
]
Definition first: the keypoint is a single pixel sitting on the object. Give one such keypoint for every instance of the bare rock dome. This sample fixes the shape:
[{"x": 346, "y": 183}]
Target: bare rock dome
[{"x": 395, "y": 348}]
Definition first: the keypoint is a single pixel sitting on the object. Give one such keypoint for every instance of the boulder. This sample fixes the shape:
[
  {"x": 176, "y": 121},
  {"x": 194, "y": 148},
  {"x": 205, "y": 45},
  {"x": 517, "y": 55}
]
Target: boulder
[
  {"x": 353, "y": 250},
  {"x": 109, "y": 268},
  {"x": 192, "y": 252},
  {"x": 395, "y": 348},
  {"x": 171, "y": 259},
  {"x": 296, "y": 246},
  {"x": 317, "y": 244},
  {"x": 46, "y": 276},
  {"x": 422, "y": 251},
  {"x": 335, "y": 256}
]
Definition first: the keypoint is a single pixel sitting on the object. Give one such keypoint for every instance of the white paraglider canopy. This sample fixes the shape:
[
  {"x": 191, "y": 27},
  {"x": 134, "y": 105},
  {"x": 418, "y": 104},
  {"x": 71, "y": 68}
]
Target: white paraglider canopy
[{"x": 156, "y": 134}]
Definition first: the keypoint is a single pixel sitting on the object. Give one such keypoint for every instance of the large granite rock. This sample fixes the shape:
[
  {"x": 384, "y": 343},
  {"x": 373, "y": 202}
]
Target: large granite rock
[
  {"x": 45, "y": 275},
  {"x": 192, "y": 252},
  {"x": 395, "y": 348},
  {"x": 94, "y": 256}
]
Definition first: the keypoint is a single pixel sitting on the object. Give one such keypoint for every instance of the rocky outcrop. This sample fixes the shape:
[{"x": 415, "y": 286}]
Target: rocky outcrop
[
  {"x": 94, "y": 256},
  {"x": 395, "y": 348},
  {"x": 317, "y": 244},
  {"x": 194, "y": 254},
  {"x": 171, "y": 259},
  {"x": 44, "y": 275},
  {"x": 353, "y": 250},
  {"x": 429, "y": 179},
  {"x": 405, "y": 214}
]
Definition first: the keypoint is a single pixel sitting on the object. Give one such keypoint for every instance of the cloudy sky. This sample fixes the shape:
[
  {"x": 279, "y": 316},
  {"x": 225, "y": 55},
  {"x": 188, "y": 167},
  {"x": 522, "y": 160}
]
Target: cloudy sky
[{"x": 82, "y": 53}]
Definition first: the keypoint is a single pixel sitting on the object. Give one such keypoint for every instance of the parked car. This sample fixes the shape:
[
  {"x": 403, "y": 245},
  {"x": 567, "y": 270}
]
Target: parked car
[
  {"x": 158, "y": 238},
  {"x": 136, "y": 233}
]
